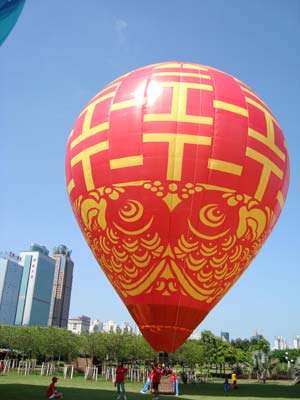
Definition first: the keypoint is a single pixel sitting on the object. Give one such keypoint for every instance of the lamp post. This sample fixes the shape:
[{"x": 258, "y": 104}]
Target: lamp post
[{"x": 289, "y": 361}]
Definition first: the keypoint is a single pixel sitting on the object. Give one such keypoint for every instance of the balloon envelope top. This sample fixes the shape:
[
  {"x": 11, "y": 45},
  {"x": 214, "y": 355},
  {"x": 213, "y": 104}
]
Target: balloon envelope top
[{"x": 176, "y": 174}]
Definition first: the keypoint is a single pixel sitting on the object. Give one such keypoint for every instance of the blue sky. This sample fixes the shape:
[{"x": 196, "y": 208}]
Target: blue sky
[{"x": 61, "y": 53}]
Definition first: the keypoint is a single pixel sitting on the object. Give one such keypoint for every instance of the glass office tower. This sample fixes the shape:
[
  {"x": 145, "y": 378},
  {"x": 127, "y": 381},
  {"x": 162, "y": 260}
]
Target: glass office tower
[
  {"x": 62, "y": 286},
  {"x": 10, "y": 282},
  {"x": 36, "y": 286}
]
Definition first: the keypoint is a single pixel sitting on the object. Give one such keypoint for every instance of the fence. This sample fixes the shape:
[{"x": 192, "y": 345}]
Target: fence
[
  {"x": 133, "y": 374},
  {"x": 25, "y": 367},
  {"x": 91, "y": 372},
  {"x": 47, "y": 369}
]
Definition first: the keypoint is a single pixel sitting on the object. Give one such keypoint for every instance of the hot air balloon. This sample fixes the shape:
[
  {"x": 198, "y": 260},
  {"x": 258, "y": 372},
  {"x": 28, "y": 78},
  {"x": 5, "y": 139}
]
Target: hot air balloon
[
  {"x": 176, "y": 173},
  {"x": 9, "y": 14}
]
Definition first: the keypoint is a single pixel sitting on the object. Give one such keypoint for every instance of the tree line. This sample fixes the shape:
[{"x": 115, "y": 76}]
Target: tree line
[{"x": 209, "y": 353}]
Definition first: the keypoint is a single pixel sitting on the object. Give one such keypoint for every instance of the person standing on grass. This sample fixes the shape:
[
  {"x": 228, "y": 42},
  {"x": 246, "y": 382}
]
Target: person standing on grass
[
  {"x": 226, "y": 385},
  {"x": 119, "y": 382},
  {"x": 233, "y": 381},
  {"x": 175, "y": 383},
  {"x": 157, "y": 372},
  {"x": 52, "y": 393}
]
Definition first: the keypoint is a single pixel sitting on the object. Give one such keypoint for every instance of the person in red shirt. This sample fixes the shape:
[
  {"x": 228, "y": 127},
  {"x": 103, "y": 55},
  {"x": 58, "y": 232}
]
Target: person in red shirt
[
  {"x": 157, "y": 372},
  {"x": 119, "y": 382},
  {"x": 52, "y": 393}
]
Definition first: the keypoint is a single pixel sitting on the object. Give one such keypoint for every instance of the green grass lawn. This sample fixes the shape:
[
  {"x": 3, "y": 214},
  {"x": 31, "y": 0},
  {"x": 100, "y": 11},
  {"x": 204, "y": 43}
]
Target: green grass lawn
[{"x": 33, "y": 387}]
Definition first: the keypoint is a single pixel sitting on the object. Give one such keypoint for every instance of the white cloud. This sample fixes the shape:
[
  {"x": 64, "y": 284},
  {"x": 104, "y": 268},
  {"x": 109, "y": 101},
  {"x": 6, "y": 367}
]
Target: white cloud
[{"x": 121, "y": 27}]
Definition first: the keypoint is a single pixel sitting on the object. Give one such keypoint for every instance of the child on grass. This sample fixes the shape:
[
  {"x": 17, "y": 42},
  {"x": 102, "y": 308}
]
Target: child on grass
[{"x": 52, "y": 393}]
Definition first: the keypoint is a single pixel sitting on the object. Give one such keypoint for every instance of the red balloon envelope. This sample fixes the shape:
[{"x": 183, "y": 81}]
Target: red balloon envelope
[{"x": 176, "y": 174}]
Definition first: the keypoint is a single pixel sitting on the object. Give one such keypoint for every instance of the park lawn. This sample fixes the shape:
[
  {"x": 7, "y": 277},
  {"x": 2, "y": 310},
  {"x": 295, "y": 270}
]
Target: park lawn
[{"x": 33, "y": 387}]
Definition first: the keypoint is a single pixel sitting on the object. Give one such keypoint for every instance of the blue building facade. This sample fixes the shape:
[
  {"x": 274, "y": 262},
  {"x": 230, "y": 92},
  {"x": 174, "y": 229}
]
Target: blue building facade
[
  {"x": 36, "y": 286},
  {"x": 10, "y": 282}
]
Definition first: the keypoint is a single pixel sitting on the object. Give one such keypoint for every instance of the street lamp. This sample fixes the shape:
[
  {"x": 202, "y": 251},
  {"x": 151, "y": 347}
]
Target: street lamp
[{"x": 289, "y": 361}]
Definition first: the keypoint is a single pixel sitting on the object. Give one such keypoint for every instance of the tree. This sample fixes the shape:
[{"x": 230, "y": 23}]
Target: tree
[
  {"x": 226, "y": 354},
  {"x": 209, "y": 348},
  {"x": 8, "y": 337},
  {"x": 260, "y": 344},
  {"x": 190, "y": 353},
  {"x": 242, "y": 344},
  {"x": 260, "y": 349}
]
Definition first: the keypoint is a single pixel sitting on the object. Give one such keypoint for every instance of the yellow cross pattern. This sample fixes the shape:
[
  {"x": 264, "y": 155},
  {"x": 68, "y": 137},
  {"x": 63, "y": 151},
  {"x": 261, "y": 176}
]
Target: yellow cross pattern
[
  {"x": 176, "y": 144},
  {"x": 127, "y": 104},
  {"x": 125, "y": 162},
  {"x": 179, "y": 102},
  {"x": 184, "y": 66},
  {"x": 101, "y": 97},
  {"x": 268, "y": 140},
  {"x": 222, "y": 105},
  {"x": 246, "y": 90},
  {"x": 224, "y": 166},
  {"x": 84, "y": 158},
  {"x": 183, "y": 74},
  {"x": 268, "y": 167},
  {"x": 87, "y": 131}
]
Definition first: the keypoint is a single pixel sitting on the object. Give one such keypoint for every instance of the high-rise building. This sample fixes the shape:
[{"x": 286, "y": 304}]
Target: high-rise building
[
  {"x": 79, "y": 324},
  {"x": 96, "y": 326},
  {"x": 296, "y": 342},
  {"x": 110, "y": 326},
  {"x": 62, "y": 286},
  {"x": 225, "y": 336},
  {"x": 36, "y": 286},
  {"x": 125, "y": 327},
  {"x": 280, "y": 343},
  {"x": 10, "y": 281}
]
